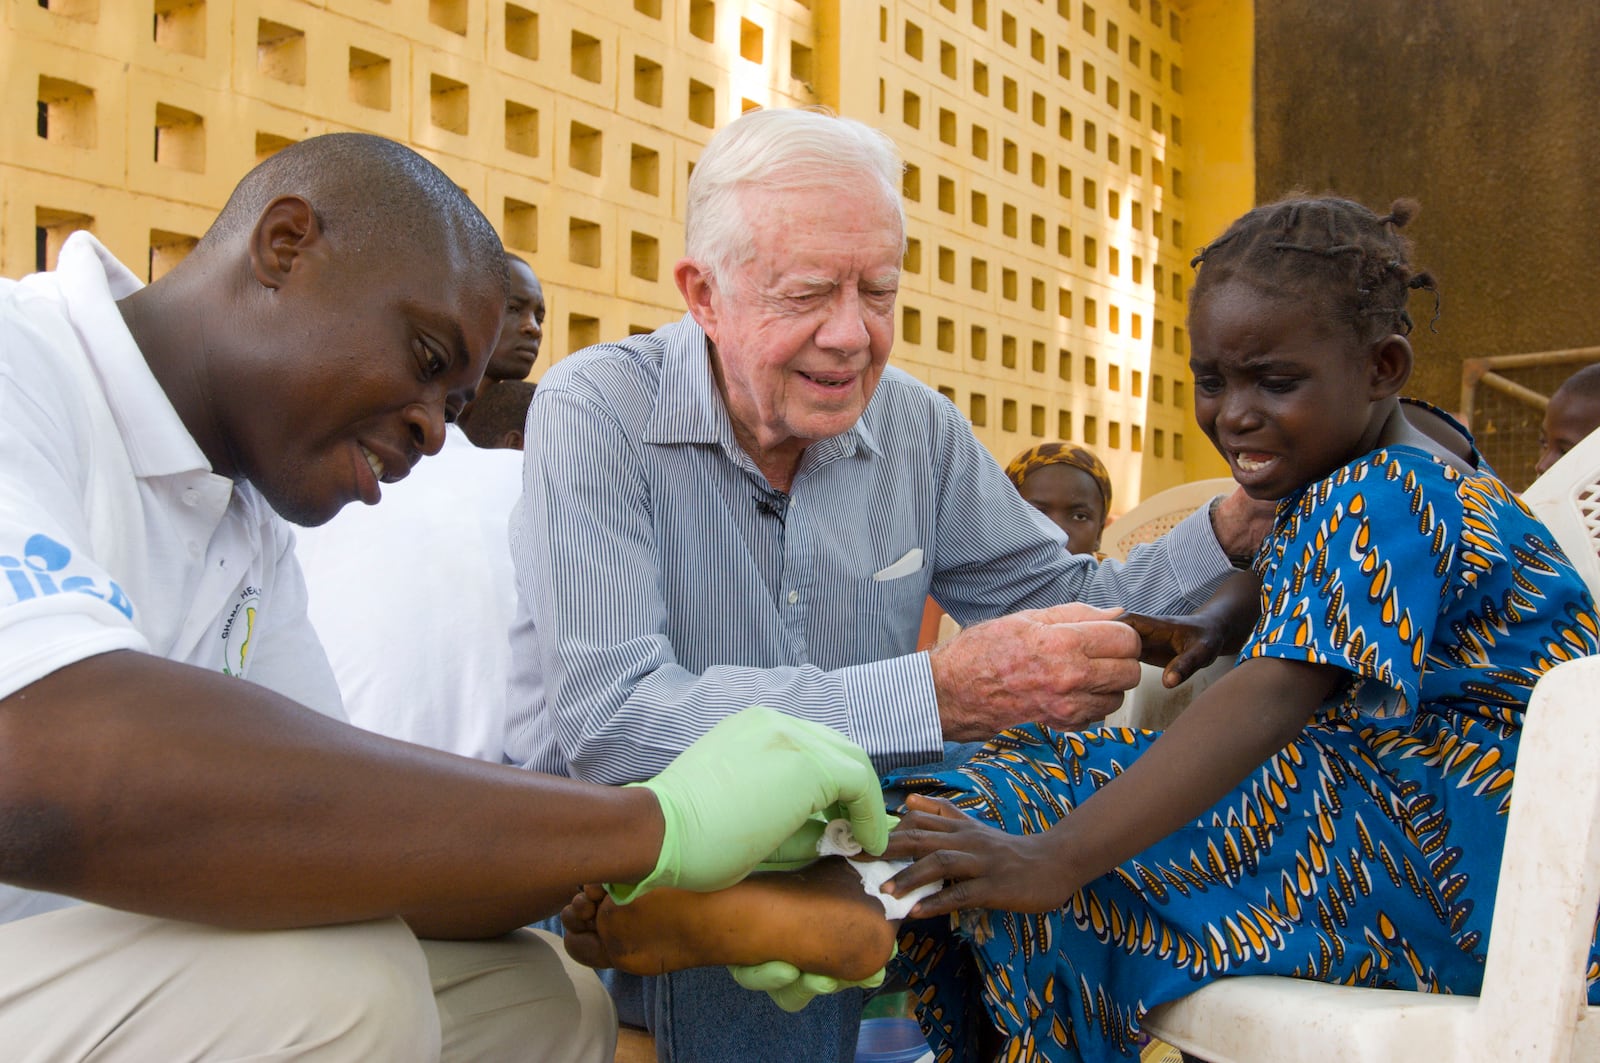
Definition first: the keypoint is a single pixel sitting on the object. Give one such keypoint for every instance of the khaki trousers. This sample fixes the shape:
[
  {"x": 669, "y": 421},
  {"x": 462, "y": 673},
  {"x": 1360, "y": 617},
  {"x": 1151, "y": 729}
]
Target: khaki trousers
[{"x": 90, "y": 983}]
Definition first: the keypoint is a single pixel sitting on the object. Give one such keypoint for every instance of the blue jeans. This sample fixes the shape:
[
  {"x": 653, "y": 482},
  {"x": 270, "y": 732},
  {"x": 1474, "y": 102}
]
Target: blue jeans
[{"x": 703, "y": 1016}]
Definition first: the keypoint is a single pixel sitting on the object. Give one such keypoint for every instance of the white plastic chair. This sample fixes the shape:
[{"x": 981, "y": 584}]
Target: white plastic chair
[
  {"x": 1567, "y": 498},
  {"x": 1159, "y": 514},
  {"x": 1151, "y": 705},
  {"x": 1532, "y": 1006}
]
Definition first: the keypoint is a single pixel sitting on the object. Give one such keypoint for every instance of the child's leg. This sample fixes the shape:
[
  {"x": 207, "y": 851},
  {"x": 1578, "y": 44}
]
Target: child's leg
[{"x": 817, "y": 918}]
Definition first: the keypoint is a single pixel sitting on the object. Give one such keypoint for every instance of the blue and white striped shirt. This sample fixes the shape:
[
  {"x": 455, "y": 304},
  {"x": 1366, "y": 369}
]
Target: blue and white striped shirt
[{"x": 663, "y": 584}]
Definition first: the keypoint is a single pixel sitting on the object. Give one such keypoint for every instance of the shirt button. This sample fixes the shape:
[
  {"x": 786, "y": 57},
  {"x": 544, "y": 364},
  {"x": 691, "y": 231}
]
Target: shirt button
[
  {"x": 194, "y": 550},
  {"x": 191, "y": 497},
  {"x": 794, "y": 596}
]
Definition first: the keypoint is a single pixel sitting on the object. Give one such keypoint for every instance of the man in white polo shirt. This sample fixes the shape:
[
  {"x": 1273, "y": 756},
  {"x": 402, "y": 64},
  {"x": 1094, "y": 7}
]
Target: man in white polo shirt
[{"x": 198, "y": 858}]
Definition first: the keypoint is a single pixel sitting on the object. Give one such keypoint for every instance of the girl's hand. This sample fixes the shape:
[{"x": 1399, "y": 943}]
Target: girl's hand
[
  {"x": 1179, "y": 645},
  {"x": 1182, "y": 645},
  {"x": 983, "y": 867}
]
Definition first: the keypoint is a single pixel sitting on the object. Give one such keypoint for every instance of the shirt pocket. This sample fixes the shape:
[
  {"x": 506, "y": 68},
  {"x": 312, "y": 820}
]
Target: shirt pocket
[{"x": 889, "y": 614}]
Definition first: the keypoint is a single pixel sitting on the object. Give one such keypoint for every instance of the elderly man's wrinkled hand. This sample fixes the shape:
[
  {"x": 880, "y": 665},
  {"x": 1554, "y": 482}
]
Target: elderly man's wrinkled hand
[
  {"x": 1241, "y": 522},
  {"x": 1066, "y": 666},
  {"x": 742, "y": 793}
]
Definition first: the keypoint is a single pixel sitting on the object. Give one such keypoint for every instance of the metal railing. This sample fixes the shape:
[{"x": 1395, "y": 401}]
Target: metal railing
[{"x": 1505, "y": 414}]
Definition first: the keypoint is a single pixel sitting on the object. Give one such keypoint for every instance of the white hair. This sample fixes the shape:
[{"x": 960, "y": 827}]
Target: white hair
[{"x": 778, "y": 150}]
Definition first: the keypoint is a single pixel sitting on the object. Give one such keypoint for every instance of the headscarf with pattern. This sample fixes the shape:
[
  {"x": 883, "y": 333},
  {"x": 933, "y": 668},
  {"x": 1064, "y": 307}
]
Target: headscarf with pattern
[{"x": 1037, "y": 457}]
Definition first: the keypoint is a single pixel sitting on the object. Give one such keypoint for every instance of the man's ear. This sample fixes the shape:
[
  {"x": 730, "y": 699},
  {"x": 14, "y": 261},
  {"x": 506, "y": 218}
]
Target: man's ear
[
  {"x": 511, "y": 440},
  {"x": 285, "y": 231},
  {"x": 699, "y": 291},
  {"x": 1389, "y": 366}
]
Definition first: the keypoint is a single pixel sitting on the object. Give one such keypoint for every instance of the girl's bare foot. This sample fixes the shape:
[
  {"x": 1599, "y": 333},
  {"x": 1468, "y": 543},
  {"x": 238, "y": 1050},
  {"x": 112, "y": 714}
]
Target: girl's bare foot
[{"x": 817, "y": 918}]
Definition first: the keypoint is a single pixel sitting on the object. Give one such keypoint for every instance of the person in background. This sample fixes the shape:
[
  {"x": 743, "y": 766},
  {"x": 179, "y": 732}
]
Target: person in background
[
  {"x": 522, "y": 330},
  {"x": 1573, "y": 412},
  {"x": 430, "y": 569},
  {"x": 497, "y": 415},
  {"x": 1069, "y": 485}
]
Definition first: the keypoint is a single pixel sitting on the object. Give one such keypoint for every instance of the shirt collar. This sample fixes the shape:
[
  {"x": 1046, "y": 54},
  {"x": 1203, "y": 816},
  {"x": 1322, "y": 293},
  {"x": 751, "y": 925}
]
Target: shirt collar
[
  {"x": 91, "y": 281},
  {"x": 689, "y": 408}
]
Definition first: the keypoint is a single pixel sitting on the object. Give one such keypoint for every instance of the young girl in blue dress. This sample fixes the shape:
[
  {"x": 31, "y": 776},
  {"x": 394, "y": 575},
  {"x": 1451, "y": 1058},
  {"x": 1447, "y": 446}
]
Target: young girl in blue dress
[{"x": 1334, "y": 807}]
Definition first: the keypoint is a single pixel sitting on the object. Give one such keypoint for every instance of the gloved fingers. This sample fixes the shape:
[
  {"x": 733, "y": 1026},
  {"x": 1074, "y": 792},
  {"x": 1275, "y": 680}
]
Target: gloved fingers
[
  {"x": 792, "y": 998},
  {"x": 804, "y": 990},
  {"x": 808, "y": 987},
  {"x": 858, "y": 796},
  {"x": 800, "y": 848},
  {"x": 790, "y": 988},
  {"x": 873, "y": 981},
  {"x": 765, "y": 977}
]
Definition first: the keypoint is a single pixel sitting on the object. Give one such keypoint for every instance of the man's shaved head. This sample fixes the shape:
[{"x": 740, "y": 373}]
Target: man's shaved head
[{"x": 370, "y": 194}]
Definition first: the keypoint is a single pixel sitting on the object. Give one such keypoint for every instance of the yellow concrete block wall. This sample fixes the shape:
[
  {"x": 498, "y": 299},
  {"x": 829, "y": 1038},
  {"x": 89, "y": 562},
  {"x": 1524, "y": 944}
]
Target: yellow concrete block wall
[
  {"x": 1043, "y": 289},
  {"x": 1045, "y": 270},
  {"x": 573, "y": 126}
]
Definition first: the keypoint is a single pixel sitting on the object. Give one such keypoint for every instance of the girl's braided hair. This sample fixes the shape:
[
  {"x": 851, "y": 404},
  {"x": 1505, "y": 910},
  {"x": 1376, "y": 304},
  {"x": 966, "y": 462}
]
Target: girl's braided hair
[{"x": 1332, "y": 250}]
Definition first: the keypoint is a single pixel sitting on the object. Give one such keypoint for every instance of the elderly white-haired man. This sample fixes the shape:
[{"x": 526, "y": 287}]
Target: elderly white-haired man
[{"x": 750, "y": 506}]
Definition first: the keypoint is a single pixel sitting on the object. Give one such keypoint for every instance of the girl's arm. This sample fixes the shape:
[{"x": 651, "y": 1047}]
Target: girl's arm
[{"x": 1231, "y": 729}]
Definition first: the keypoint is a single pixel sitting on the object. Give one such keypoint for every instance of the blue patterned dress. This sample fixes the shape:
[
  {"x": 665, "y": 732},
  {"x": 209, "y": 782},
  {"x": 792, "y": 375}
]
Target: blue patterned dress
[{"x": 1367, "y": 852}]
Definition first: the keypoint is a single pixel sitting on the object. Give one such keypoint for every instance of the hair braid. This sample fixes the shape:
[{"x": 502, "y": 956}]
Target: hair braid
[{"x": 1353, "y": 262}]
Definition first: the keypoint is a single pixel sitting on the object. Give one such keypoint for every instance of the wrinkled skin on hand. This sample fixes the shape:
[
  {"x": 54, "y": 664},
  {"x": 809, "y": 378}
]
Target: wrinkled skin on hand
[
  {"x": 1240, "y": 523},
  {"x": 1066, "y": 666}
]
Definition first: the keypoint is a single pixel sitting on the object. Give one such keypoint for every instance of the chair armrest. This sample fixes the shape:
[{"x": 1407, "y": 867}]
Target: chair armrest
[{"x": 1544, "y": 916}]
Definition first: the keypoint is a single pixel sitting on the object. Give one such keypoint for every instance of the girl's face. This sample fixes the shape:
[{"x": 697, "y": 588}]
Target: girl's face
[
  {"x": 1285, "y": 400},
  {"x": 1073, "y": 502}
]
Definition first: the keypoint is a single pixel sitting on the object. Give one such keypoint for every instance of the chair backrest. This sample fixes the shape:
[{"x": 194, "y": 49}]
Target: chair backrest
[
  {"x": 1567, "y": 499},
  {"x": 1159, "y": 514}
]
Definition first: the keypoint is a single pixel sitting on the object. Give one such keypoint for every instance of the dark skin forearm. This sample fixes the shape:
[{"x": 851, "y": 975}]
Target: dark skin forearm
[
  {"x": 1234, "y": 727},
  {"x": 1230, "y": 730},
  {"x": 139, "y": 783}
]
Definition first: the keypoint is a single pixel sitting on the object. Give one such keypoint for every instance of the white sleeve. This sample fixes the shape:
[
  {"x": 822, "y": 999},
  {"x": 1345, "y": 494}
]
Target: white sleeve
[{"x": 57, "y": 604}]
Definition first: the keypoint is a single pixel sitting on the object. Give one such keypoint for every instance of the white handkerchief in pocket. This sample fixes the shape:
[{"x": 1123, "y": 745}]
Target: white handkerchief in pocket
[{"x": 911, "y": 562}]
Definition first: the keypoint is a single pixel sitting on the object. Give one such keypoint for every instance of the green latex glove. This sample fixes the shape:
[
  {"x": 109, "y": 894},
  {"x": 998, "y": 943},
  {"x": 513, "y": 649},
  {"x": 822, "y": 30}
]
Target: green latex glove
[
  {"x": 745, "y": 788},
  {"x": 801, "y": 847},
  {"x": 792, "y": 989}
]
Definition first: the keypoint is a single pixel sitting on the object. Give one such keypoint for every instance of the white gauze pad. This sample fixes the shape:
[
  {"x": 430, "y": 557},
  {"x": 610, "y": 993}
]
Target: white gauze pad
[{"x": 839, "y": 840}]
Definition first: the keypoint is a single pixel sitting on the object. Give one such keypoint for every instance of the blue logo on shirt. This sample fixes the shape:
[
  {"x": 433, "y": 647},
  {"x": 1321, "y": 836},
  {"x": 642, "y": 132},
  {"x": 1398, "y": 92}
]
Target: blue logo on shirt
[{"x": 37, "y": 574}]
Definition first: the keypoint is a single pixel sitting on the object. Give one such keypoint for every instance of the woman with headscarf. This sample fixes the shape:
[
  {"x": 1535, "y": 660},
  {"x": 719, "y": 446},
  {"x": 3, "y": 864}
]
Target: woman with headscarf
[{"x": 1069, "y": 485}]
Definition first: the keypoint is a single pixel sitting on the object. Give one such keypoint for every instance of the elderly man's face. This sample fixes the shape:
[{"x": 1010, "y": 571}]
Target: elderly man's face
[{"x": 803, "y": 329}]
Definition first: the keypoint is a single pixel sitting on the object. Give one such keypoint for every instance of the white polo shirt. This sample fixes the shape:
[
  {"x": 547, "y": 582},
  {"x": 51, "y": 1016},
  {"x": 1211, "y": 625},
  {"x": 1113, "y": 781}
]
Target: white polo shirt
[{"x": 114, "y": 532}]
